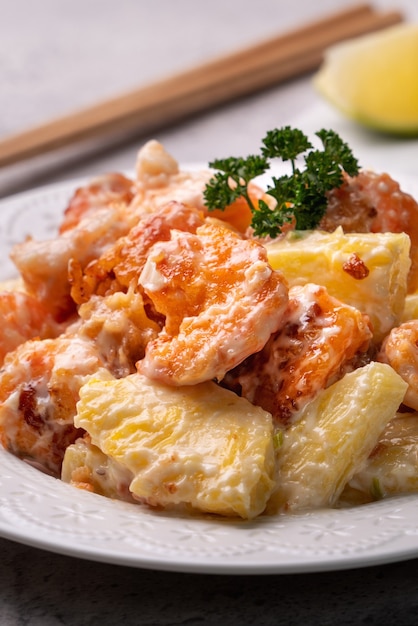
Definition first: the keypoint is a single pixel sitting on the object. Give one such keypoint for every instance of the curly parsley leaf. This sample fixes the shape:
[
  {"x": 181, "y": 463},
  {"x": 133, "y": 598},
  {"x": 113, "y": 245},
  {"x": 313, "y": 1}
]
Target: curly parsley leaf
[
  {"x": 270, "y": 221},
  {"x": 337, "y": 149},
  {"x": 232, "y": 180},
  {"x": 286, "y": 143},
  {"x": 300, "y": 198}
]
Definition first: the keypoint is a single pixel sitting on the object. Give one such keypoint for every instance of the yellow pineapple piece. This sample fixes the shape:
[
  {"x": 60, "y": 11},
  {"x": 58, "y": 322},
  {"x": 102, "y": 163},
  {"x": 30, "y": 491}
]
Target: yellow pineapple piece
[
  {"x": 333, "y": 436},
  {"x": 198, "y": 445},
  {"x": 392, "y": 467},
  {"x": 410, "y": 311},
  {"x": 366, "y": 270},
  {"x": 85, "y": 466}
]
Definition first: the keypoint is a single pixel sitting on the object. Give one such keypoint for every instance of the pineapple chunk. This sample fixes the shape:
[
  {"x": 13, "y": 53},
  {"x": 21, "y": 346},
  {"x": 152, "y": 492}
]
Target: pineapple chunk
[
  {"x": 85, "y": 466},
  {"x": 333, "y": 436},
  {"x": 410, "y": 311},
  {"x": 199, "y": 445},
  {"x": 366, "y": 270},
  {"x": 392, "y": 467}
]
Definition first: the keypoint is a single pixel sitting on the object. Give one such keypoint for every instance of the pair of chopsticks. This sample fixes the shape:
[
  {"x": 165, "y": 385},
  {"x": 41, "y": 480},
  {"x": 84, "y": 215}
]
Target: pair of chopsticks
[{"x": 213, "y": 83}]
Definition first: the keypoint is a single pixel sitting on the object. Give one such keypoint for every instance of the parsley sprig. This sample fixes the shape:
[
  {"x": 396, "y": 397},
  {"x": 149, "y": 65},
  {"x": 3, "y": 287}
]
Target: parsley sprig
[{"x": 300, "y": 197}]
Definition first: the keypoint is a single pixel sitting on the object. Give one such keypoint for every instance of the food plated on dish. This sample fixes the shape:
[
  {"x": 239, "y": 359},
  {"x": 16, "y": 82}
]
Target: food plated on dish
[{"x": 174, "y": 347}]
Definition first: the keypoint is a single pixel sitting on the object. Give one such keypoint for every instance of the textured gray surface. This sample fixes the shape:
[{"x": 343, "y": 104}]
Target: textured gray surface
[
  {"x": 41, "y": 589},
  {"x": 56, "y": 57}
]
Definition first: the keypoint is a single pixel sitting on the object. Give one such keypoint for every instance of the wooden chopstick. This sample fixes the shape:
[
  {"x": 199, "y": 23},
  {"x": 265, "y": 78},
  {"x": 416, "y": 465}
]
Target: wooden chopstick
[{"x": 218, "y": 81}]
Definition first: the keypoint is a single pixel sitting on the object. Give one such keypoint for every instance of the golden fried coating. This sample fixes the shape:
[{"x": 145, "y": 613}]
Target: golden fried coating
[
  {"x": 314, "y": 347},
  {"x": 221, "y": 301}
]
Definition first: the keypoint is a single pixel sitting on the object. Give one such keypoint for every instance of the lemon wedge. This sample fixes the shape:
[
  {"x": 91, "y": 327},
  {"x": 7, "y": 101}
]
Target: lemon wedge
[{"x": 373, "y": 79}]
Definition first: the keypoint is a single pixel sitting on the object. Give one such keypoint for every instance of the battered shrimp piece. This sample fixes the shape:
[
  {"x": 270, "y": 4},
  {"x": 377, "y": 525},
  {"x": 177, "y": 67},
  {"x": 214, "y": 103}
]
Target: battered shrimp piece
[
  {"x": 120, "y": 328},
  {"x": 319, "y": 340},
  {"x": 121, "y": 265},
  {"x": 160, "y": 180},
  {"x": 400, "y": 351},
  {"x": 375, "y": 203},
  {"x": 113, "y": 188},
  {"x": 221, "y": 301},
  {"x": 39, "y": 385},
  {"x": 23, "y": 318},
  {"x": 43, "y": 265}
]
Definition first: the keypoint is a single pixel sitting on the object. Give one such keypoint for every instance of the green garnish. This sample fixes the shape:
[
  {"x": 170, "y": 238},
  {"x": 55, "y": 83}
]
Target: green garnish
[
  {"x": 232, "y": 180},
  {"x": 299, "y": 197},
  {"x": 278, "y": 439},
  {"x": 376, "y": 489}
]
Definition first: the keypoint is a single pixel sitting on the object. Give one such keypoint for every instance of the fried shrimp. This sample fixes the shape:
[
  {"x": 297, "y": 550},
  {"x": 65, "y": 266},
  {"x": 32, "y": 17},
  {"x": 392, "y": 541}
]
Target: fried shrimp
[
  {"x": 39, "y": 385},
  {"x": 107, "y": 190},
  {"x": 375, "y": 203},
  {"x": 316, "y": 345},
  {"x": 159, "y": 180},
  {"x": 400, "y": 351},
  {"x": 120, "y": 266},
  {"x": 88, "y": 229},
  {"x": 23, "y": 318},
  {"x": 221, "y": 301},
  {"x": 120, "y": 328}
]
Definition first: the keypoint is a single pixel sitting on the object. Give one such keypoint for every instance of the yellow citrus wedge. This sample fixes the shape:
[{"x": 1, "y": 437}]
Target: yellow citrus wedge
[{"x": 373, "y": 79}]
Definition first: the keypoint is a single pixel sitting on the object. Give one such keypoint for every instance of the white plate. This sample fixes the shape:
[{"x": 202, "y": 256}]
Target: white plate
[{"x": 41, "y": 511}]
